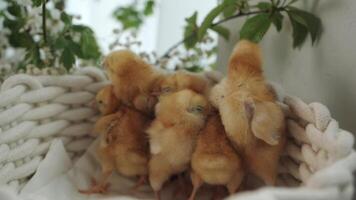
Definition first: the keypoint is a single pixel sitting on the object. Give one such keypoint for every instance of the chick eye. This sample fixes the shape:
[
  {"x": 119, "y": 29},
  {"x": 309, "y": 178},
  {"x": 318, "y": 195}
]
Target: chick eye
[
  {"x": 166, "y": 89},
  {"x": 196, "y": 109},
  {"x": 100, "y": 102}
]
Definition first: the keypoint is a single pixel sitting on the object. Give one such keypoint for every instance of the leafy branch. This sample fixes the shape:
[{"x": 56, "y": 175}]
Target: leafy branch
[
  {"x": 44, "y": 33},
  {"x": 132, "y": 16},
  {"x": 214, "y": 25},
  {"x": 254, "y": 28}
]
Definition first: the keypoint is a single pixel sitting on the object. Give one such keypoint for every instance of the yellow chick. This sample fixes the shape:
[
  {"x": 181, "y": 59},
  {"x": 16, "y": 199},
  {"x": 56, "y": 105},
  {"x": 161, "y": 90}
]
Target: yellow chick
[
  {"x": 172, "y": 135},
  {"x": 252, "y": 119},
  {"x": 214, "y": 160},
  {"x": 123, "y": 143},
  {"x": 133, "y": 79}
]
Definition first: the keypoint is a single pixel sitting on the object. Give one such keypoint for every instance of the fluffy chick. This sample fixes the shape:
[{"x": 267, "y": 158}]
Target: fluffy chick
[
  {"x": 106, "y": 100},
  {"x": 123, "y": 144},
  {"x": 172, "y": 135},
  {"x": 107, "y": 103},
  {"x": 180, "y": 80},
  {"x": 252, "y": 119},
  {"x": 214, "y": 160},
  {"x": 132, "y": 78}
]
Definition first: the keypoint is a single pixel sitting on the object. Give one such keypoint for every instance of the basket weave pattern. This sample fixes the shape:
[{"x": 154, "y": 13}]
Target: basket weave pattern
[
  {"x": 319, "y": 156},
  {"x": 37, "y": 109}
]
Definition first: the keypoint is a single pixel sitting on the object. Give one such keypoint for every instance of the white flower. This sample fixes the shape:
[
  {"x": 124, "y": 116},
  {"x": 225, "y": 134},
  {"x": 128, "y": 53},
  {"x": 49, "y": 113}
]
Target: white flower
[
  {"x": 56, "y": 26},
  {"x": 34, "y": 20},
  {"x": 55, "y": 13},
  {"x": 15, "y": 55},
  {"x": 45, "y": 53},
  {"x": 24, "y": 2},
  {"x": 3, "y": 34}
]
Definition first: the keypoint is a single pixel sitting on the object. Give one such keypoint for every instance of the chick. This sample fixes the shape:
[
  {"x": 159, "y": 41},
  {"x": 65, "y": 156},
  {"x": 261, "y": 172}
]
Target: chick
[
  {"x": 252, "y": 119},
  {"x": 172, "y": 135},
  {"x": 214, "y": 160},
  {"x": 123, "y": 144},
  {"x": 180, "y": 80},
  {"x": 132, "y": 78},
  {"x": 107, "y": 103}
]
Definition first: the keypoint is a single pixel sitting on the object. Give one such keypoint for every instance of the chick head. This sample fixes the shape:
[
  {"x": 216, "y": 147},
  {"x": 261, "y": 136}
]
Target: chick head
[
  {"x": 106, "y": 100},
  {"x": 165, "y": 85},
  {"x": 124, "y": 65},
  {"x": 178, "y": 81},
  {"x": 186, "y": 106}
]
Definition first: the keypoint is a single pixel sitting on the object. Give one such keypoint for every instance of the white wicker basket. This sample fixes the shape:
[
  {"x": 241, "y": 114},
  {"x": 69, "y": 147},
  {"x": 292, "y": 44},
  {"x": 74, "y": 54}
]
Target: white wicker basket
[{"x": 318, "y": 163}]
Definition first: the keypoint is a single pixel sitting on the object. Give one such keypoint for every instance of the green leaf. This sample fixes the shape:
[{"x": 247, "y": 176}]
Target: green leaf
[
  {"x": 14, "y": 25},
  {"x": 33, "y": 56},
  {"x": 60, "y": 43},
  {"x": 264, "y": 6},
  {"x": 207, "y": 22},
  {"x": 149, "y": 6},
  {"x": 300, "y": 31},
  {"x": 22, "y": 39},
  {"x": 255, "y": 27},
  {"x": 129, "y": 17},
  {"x": 75, "y": 48},
  {"x": 67, "y": 19},
  {"x": 15, "y": 10},
  {"x": 194, "y": 68},
  {"x": 230, "y": 8},
  {"x": 89, "y": 47},
  {"x": 67, "y": 58},
  {"x": 312, "y": 22},
  {"x": 276, "y": 16},
  {"x": 222, "y": 31},
  {"x": 277, "y": 19},
  {"x": 190, "y": 31},
  {"x": 37, "y": 2}
]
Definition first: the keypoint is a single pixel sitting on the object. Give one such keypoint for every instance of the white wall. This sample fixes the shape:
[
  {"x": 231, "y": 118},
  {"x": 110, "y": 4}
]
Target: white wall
[
  {"x": 159, "y": 32},
  {"x": 98, "y": 15},
  {"x": 172, "y": 19},
  {"x": 325, "y": 73}
]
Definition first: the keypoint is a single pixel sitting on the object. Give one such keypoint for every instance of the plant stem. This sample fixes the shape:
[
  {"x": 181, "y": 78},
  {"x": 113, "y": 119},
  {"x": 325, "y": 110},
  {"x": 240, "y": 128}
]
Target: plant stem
[
  {"x": 240, "y": 14},
  {"x": 44, "y": 21}
]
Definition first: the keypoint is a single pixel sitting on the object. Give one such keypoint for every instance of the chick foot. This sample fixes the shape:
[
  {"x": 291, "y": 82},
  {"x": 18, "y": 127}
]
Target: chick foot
[
  {"x": 197, "y": 182},
  {"x": 158, "y": 195},
  {"x": 141, "y": 181},
  {"x": 96, "y": 188}
]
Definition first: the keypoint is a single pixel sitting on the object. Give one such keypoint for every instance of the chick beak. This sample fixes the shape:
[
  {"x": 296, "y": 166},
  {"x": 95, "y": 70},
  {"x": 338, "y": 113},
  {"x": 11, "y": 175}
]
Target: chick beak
[{"x": 156, "y": 94}]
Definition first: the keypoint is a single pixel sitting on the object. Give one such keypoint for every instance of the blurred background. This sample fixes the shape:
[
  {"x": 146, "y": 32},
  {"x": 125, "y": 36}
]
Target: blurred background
[{"x": 159, "y": 31}]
